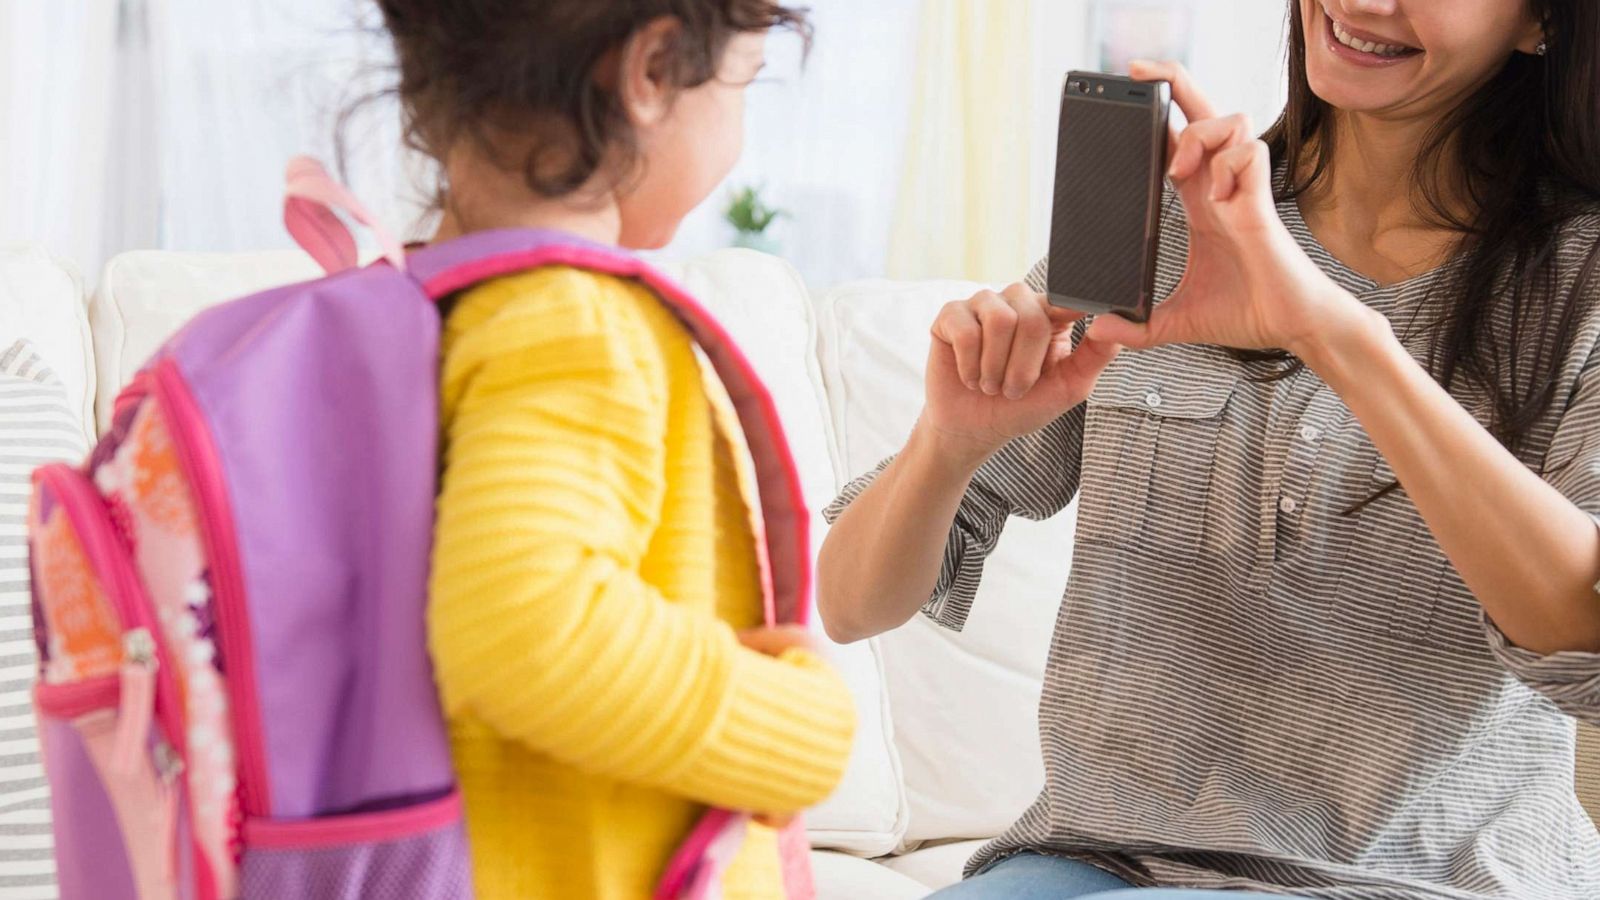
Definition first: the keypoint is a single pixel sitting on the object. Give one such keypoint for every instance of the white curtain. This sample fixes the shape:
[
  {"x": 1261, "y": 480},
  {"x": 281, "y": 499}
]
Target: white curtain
[
  {"x": 964, "y": 202},
  {"x": 246, "y": 84},
  {"x": 57, "y": 151},
  {"x": 166, "y": 123},
  {"x": 129, "y": 124}
]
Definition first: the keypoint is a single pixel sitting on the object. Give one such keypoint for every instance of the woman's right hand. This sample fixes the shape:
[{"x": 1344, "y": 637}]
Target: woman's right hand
[{"x": 1003, "y": 366}]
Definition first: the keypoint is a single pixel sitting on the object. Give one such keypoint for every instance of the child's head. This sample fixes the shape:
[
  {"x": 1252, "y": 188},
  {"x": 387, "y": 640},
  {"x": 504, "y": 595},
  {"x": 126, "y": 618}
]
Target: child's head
[{"x": 584, "y": 101}]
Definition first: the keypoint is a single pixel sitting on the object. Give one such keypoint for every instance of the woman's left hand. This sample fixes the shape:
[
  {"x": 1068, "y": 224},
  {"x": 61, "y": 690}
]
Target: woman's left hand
[{"x": 1246, "y": 284}]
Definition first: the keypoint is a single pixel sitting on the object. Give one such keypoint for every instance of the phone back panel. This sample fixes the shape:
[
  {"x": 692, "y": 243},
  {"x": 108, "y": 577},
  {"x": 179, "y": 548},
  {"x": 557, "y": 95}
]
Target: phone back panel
[{"x": 1110, "y": 160}]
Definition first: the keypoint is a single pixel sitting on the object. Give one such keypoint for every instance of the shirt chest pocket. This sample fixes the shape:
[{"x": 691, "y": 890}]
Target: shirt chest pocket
[
  {"x": 1149, "y": 453},
  {"x": 1395, "y": 580}
]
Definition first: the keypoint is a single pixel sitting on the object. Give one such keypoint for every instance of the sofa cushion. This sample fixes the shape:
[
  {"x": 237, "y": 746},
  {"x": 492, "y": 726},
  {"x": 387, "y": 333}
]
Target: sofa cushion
[
  {"x": 840, "y": 876},
  {"x": 964, "y": 705},
  {"x": 42, "y": 299},
  {"x": 145, "y": 296},
  {"x": 937, "y": 865}
]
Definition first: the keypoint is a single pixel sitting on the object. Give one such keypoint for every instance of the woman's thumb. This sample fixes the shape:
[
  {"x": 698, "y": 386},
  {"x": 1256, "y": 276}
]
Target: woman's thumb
[
  {"x": 1073, "y": 373},
  {"x": 1114, "y": 329}
]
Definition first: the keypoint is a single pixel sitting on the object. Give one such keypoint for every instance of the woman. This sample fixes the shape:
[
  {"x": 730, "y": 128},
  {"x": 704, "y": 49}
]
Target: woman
[{"x": 1334, "y": 598}]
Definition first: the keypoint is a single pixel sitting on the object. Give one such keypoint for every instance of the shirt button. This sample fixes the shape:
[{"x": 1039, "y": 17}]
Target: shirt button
[
  {"x": 1288, "y": 505},
  {"x": 1310, "y": 433},
  {"x": 1152, "y": 399}
]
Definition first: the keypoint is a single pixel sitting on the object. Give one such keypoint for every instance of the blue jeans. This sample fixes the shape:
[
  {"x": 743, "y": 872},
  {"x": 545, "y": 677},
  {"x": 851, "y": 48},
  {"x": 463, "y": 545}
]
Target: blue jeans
[{"x": 1033, "y": 876}]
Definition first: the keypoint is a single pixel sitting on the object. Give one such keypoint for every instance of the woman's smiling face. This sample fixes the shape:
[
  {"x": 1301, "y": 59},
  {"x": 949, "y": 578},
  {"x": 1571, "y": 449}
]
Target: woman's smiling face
[{"x": 1410, "y": 58}]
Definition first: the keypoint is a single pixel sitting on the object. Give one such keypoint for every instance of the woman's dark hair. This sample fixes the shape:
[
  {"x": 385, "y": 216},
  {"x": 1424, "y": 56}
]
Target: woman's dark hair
[
  {"x": 524, "y": 70},
  {"x": 1526, "y": 150}
]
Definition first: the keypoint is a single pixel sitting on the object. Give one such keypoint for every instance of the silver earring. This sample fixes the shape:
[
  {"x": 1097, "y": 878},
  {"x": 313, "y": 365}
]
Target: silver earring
[{"x": 1542, "y": 49}]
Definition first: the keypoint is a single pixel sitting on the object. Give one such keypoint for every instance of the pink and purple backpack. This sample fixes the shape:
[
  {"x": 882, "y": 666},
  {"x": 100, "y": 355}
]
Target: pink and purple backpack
[{"x": 235, "y": 697}]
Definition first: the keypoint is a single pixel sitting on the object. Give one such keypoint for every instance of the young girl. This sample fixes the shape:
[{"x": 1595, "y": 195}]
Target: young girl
[{"x": 595, "y": 577}]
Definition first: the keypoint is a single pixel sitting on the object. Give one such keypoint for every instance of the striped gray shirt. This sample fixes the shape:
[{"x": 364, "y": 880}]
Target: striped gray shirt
[
  {"x": 37, "y": 425},
  {"x": 1249, "y": 688}
]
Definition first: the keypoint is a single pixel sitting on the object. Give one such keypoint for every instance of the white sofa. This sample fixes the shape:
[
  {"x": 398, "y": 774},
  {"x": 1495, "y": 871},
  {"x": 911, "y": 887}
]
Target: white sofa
[{"x": 947, "y": 751}]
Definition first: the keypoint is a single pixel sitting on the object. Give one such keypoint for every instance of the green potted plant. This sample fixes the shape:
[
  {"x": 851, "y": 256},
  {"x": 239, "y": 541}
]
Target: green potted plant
[{"x": 750, "y": 217}]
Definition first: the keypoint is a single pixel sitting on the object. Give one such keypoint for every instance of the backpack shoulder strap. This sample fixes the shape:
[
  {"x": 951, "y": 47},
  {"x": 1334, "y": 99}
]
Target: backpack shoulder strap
[{"x": 444, "y": 269}]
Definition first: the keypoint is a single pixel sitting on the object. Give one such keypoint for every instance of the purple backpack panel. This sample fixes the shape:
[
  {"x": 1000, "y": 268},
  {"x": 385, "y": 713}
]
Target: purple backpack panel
[{"x": 259, "y": 520}]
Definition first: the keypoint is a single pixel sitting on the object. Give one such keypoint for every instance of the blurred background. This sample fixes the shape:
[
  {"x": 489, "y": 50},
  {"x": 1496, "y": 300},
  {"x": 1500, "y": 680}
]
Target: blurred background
[{"x": 916, "y": 140}]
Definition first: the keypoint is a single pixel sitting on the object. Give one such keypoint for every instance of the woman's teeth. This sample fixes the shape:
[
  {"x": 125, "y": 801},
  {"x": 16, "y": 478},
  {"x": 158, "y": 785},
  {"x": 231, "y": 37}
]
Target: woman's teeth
[{"x": 1349, "y": 40}]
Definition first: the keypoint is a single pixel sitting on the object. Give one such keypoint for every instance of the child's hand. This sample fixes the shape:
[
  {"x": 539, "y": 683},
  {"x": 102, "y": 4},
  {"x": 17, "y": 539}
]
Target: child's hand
[
  {"x": 773, "y": 640},
  {"x": 773, "y": 820}
]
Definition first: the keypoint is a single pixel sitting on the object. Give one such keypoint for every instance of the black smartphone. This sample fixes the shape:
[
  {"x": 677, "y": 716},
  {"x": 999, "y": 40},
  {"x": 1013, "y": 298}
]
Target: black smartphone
[{"x": 1111, "y": 161}]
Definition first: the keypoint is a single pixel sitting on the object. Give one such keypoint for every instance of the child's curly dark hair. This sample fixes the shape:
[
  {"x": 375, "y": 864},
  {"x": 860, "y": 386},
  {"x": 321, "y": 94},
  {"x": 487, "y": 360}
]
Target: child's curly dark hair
[{"x": 524, "y": 69}]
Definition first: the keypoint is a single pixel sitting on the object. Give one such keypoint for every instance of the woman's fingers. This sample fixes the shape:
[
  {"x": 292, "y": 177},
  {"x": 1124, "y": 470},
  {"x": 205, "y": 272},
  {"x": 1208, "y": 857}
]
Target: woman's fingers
[
  {"x": 1001, "y": 341},
  {"x": 1062, "y": 318},
  {"x": 1206, "y": 137},
  {"x": 1091, "y": 357},
  {"x": 1030, "y": 343},
  {"x": 957, "y": 325},
  {"x": 1114, "y": 329},
  {"x": 1185, "y": 92},
  {"x": 1074, "y": 371},
  {"x": 999, "y": 320},
  {"x": 1240, "y": 169}
]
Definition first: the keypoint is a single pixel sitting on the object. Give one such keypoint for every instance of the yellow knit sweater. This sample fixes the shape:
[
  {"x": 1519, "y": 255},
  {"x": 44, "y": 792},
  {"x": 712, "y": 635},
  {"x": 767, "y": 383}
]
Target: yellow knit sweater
[{"x": 593, "y": 559}]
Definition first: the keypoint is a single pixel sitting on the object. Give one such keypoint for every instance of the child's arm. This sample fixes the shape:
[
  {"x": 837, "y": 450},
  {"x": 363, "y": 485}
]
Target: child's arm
[{"x": 541, "y": 625}]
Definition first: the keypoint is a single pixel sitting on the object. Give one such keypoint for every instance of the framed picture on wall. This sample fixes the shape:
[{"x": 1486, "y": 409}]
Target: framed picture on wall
[{"x": 1124, "y": 30}]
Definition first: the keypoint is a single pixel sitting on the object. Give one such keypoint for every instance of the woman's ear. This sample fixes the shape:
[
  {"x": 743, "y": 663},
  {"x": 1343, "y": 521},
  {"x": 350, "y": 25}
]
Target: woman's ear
[
  {"x": 1533, "y": 38},
  {"x": 643, "y": 71}
]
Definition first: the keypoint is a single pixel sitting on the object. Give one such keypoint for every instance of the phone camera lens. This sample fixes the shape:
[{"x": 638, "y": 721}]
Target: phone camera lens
[{"x": 1081, "y": 87}]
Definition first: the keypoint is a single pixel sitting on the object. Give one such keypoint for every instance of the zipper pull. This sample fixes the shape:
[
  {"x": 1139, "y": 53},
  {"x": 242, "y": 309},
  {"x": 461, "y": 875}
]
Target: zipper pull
[
  {"x": 138, "y": 701},
  {"x": 168, "y": 767}
]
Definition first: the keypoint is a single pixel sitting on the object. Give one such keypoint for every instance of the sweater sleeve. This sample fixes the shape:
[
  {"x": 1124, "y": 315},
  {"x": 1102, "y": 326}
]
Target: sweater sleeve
[{"x": 541, "y": 626}]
